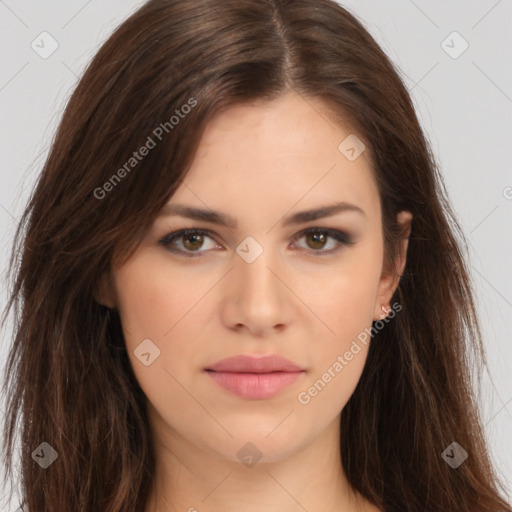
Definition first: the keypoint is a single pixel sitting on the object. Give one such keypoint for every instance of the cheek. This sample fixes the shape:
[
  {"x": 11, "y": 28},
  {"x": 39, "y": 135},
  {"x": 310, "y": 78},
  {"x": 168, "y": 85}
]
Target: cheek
[
  {"x": 346, "y": 307},
  {"x": 167, "y": 304},
  {"x": 152, "y": 297},
  {"x": 149, "y": 305},
  {"x": 153, "y": 301},
  {"x": 338, "y": 359},
  {"x": 345, "y": 295}
]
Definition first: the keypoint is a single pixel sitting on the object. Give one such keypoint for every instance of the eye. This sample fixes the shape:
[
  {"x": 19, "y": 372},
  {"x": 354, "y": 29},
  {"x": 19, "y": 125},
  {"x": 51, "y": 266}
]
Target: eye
[
  {"x": 188, "y": 241},
  {"x": 318, "y": 238}
]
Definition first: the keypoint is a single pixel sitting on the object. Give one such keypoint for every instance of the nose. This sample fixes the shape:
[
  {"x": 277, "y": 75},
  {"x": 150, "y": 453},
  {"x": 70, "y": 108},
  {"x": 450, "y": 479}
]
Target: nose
[{"x": 256, "y": 296}]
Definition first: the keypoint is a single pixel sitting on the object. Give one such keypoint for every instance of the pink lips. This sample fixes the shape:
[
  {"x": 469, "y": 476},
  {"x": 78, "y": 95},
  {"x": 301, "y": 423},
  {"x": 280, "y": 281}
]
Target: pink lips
[{"x": 254, "y": 377}]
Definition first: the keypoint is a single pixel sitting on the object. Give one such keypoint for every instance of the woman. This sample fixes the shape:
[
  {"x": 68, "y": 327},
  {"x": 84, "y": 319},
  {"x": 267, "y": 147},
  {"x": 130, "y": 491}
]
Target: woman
[{"x": 238, "y": 282}]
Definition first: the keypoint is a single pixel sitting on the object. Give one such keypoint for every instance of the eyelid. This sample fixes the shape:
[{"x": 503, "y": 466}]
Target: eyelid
[
  {"x": 343, "y": 238},
  {"x": 175, "y": 235}
]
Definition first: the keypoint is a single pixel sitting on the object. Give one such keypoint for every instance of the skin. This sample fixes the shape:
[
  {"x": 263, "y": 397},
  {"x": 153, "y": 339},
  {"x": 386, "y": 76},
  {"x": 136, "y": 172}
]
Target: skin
[{"x": 257, "y": 163}]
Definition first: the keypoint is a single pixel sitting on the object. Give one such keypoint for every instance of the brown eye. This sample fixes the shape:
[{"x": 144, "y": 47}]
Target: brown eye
[
  {"x": 317, "y": 239},
  {"x": 187, "y": 242},
  {"x": 193, "y": 241}
]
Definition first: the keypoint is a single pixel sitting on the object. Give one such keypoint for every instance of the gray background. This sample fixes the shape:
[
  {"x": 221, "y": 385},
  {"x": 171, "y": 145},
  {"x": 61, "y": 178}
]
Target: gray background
[{"x": 464, "y": 103}]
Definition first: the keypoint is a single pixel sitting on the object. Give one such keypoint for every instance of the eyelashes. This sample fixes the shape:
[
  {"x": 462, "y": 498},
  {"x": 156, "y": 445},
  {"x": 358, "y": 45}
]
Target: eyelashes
[{"x": 341, "y": 238}]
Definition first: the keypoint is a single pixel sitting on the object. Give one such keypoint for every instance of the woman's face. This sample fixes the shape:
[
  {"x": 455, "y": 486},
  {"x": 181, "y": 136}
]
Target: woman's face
[{"x": 258, "y": 287}]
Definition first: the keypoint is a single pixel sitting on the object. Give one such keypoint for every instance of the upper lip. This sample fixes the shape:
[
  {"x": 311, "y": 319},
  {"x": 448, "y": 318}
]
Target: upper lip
[{"x": 252, "y": 364}]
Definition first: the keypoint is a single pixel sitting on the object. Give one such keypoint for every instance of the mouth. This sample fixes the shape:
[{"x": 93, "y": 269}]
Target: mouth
[
  {"x": 256, "y": 378},
  {"x": 254, "y": 385}
]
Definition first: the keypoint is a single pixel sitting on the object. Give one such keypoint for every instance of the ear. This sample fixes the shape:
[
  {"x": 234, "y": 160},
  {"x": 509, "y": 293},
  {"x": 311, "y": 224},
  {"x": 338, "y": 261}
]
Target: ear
[
  {"x": 391, "y": 276},
  {"x": 105, "y": 291}
]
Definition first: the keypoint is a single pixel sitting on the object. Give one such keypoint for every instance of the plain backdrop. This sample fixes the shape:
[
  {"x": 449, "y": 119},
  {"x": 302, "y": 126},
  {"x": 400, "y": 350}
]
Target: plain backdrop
[{"x": 456, "y": 60}]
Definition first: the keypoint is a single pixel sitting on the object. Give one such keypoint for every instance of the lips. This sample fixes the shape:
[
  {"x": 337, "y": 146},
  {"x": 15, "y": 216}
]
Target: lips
[
  {"x": 251, "y": 364},
  {"x": 254, "y": 377}
]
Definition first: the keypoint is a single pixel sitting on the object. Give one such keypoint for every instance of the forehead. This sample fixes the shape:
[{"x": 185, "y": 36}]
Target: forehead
[{"x": 273, "y": 155}]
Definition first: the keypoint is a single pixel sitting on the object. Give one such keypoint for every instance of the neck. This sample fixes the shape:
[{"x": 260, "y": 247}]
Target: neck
[{"x": 193, "y": 479}]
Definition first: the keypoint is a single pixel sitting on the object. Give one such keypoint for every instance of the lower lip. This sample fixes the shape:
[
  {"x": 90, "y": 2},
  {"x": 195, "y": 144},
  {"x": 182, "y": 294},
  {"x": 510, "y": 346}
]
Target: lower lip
[{"x": 254, "y": 385}]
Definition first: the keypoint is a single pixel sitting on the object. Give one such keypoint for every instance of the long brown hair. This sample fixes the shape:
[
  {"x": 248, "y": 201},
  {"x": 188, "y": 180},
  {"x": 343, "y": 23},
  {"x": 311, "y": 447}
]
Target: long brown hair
[{"x": 68, "y": 379}]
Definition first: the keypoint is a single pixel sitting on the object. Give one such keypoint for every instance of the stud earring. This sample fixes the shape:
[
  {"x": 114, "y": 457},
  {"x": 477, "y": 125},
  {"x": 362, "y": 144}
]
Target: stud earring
[{"x": 385, "y": 312}]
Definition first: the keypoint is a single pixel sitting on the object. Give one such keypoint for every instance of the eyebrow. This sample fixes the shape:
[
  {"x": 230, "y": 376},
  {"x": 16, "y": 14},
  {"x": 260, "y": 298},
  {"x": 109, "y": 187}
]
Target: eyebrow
[{"x": 222, "y": 219}]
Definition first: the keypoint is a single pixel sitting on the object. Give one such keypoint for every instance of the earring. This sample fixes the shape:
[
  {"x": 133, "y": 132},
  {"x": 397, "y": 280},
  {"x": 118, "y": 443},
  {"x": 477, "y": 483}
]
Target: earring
[{"x": 385, "y": 312}]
